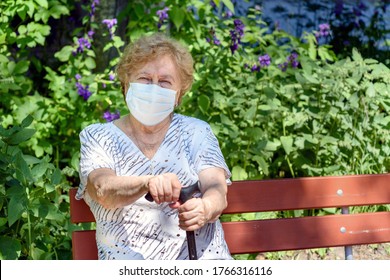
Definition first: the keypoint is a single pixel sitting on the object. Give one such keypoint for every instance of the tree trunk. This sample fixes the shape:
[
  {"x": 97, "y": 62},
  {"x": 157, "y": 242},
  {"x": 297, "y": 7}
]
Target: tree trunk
[{"x": 108, "y": 9}]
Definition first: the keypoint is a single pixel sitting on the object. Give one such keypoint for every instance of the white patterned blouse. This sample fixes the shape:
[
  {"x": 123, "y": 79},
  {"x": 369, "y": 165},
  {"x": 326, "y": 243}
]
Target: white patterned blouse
[{"x": 143, "y": 229}]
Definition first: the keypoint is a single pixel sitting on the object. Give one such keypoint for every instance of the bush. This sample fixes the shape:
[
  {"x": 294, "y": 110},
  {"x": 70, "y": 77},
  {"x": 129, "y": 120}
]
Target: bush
[{"x": 34, "y": 206}]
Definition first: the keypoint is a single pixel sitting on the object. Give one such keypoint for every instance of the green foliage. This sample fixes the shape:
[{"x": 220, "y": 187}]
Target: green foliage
[
  {"x": 33, "y": 212},
  {"x": 326, "y": 116}
]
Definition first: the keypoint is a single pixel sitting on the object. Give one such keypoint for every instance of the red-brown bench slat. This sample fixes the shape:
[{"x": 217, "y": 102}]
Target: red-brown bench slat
[
  {"x": 79, "y": 210},
  {"x": 308, "y": 193},
  {"x": 307, "y": 232},
  {"x": 84, "y": 245}
]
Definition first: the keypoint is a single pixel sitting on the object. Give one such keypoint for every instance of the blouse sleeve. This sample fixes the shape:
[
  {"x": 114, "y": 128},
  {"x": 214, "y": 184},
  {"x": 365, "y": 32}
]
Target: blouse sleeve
[
  {"x": 208, "y": 153},
  {"x": 92, "y": 155}
]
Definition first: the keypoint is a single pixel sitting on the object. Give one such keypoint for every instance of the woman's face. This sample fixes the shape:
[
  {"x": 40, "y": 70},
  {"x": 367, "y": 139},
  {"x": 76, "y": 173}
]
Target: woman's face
[{"x": 162, "y": 72}]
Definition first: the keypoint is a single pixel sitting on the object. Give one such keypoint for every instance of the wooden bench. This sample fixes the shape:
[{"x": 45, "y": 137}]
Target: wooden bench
[{"x": 282, "y": 234}]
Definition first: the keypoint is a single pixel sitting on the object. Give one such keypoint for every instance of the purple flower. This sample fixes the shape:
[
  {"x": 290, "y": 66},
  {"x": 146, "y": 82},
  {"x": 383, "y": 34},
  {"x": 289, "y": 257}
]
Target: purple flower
[
  {"x": 83, "y": 91},
  {"x": 214, "y": 39},
  {"x": 112, "y": 77},
  {"x": 90, "y": 34},
  {"x": 110, "y": 23},
  {"x": 324, "y": 31},
  {"x": 239, "y": 27},
  {"x": 294, "y": 64},
  {"x": 292, "y": 60},
  {"x": 93, "y": 7},
  {"x": 283, "y": 66},
  {"x": 264, "y": 60},
  {"x": 233, "y": 47},
  {"x": 83, "y": 43},
  {"x": 236, "y": 34},
  {"x": 255, "y": 68},
  {"x": 78, "y": 77},
  {"x": 228, "y": 14},
  {"x": 162, "y": 16},
  {"x": 109, "y": 117}
]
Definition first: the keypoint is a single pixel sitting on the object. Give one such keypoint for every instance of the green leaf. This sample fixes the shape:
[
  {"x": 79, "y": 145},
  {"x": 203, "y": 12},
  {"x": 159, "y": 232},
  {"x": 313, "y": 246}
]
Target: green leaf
[
  {"x": 328, "y": 140},
  {"x": 324, "y": 54},
  {"x": 39, "y": 169},
  {"x": 22, "y": 12},
  {"x": 139, "y": 10},
  {"x": 264, "y": 107},
  {"x": 3, "y": 221},
  {"x": 31, "y": 159},
  {"x": 356, "y": 56},
  {"x": 21, "y": 136},
  {"x": 263, "y": 165},
  {"x": 47, "y": 210},
  {"x": 64, "y": 54},
  {"x": 239, "y": 173},
  {"x": 310, "y": 78},
  {"x": 269, "y": 145},
  {"x": 312, "y": 52},
  {"x": 11, "y": 67},
  {"x": 37, "y": 253},
  {"x": 177, "y": 15},
  {"x": 27, "y": 121},
  {"x": 300, "y": 79},
  {"x": 42, "y": 3},
  {"x": 90, "y": 63},
  {"x": 3, "y": 58},
  {"x": 21, "y": 67},
  {"x": 229, "y": 5},
  {"x": 15, "y": 209},
  {"x": 31, "y": 8},
  {"x": 251, "y": 112},
  {"x": 204, "y": 103},
  {"x": 10, "y": 248},
  {"x": 56, "y": 177},
  {"x": 57, "y": 11},
  {"x": 22, "y": 171},
  {"x": 287, "y": 143},
  {"x": 370, "y": 92}
]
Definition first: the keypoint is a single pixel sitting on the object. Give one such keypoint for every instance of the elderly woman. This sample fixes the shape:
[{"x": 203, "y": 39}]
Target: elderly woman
[{"x": 153, "y": 150}]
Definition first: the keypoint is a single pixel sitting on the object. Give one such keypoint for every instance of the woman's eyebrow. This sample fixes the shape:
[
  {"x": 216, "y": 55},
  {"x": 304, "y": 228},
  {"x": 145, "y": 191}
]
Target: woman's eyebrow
[{"x": 170, "y": 77}]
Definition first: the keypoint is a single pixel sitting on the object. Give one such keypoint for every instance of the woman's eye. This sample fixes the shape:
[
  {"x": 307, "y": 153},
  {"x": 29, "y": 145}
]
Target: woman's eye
[
  {"x": 165, "y": 84},
  {"x": 143, "y": 79}
]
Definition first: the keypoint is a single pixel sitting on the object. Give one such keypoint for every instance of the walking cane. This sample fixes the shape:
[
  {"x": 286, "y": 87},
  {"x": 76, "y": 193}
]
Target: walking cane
[{"x": 186, "y": 194}]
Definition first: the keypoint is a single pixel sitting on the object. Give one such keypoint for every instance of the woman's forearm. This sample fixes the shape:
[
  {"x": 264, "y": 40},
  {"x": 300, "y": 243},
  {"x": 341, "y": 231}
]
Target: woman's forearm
[
  {"x": 214, "y": 190},
  {"x": 215, "y": 201},
  {"x": 112, "y": 191}
]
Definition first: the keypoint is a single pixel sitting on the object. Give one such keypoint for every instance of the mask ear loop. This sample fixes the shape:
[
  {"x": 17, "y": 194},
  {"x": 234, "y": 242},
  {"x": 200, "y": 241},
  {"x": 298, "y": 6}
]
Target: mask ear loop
[{"x": 178, "y": 100}]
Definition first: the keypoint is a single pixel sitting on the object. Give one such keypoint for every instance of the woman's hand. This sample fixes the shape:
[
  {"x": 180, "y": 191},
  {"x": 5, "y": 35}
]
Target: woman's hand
[
  {"x": 193, "y": 214},
  {"x": 197, "y": 212},
  {"x": 164, "y": 188}
]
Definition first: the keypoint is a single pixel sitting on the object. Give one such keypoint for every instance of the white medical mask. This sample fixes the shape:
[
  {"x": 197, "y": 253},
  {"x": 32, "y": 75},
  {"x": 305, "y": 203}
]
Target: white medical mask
[{"x": 150, "y": 104}]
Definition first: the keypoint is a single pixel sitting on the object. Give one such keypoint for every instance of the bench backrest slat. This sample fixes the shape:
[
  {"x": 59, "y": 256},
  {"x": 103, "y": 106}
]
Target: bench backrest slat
[
  {"x": 308, "y": 193},
  {"x": 307, "y": 232},
  {"x": 79, "y": 210}
]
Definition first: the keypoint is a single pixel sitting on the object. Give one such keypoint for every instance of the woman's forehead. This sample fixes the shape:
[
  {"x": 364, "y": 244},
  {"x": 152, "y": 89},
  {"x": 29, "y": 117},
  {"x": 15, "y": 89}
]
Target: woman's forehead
[{"x": 161, "y": 66}]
